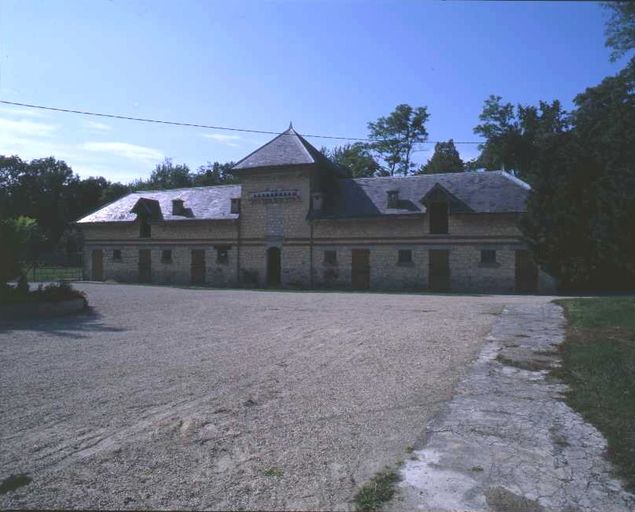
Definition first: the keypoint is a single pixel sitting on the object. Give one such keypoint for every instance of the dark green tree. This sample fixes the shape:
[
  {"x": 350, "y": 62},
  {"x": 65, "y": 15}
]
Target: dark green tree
[
  {"x": 620, "y": 28},
  {"x": 20, "y": 242},
  {"x": 394, "y": 136},
  {"x": 214, "y": 174},
  {"x": 166, "y": 175},
  {"x": 446, "y": 158},
  {"x": 355, "y": 158},
  {"x": 579, "y": 215},
  {"x": 511, "y": 134}
]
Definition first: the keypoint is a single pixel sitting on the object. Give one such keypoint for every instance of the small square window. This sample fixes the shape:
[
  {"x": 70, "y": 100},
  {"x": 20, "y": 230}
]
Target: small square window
[
  {"x": 488, "y": 257},
  {"x": 405, "y": 256},
  {"x": 330, "y": 257},
  {"x": 166, "y": 256},
  {"x": 222, "y": 255},
  {"x": 116, "y": 255}
]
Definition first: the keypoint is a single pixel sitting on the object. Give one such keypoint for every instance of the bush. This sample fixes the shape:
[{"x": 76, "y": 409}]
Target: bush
[{"x": 56, "y": 292}]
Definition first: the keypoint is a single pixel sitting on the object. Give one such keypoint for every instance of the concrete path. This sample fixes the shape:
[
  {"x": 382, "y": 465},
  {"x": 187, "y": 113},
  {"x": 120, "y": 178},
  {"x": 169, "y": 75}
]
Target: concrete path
[{"x": 507, "y": 441}]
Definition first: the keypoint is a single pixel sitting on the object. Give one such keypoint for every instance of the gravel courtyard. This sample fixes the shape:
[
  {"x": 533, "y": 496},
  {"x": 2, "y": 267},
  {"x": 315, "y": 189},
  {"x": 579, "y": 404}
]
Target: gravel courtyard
[{"x": 168, "y": 398}]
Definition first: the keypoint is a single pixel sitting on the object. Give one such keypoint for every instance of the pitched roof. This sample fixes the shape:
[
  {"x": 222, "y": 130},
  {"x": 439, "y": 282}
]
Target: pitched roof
[
  {"x": 481, "y": 192},
  {"x": 288, "y": 148},
  {"x": 212, "y": 203}
]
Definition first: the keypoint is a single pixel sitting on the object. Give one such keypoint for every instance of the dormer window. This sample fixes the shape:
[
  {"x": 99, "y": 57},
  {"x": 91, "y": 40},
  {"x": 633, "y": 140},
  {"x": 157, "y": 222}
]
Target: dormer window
[
  {"x": 438, "y": 212},
  {"x": 393, "y": 198},
  {"x": 177, "y": 206},
  {"x": 145, "y": 229},
  {"x": 316, "y": 204},
  {"x": 235, "y": 205}
]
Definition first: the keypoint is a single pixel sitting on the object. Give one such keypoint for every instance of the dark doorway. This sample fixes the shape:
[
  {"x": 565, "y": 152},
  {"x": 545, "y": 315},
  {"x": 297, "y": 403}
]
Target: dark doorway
[
  {"x": 145, "y": 266},
  {"x": 360, "y": 271},
  {"x": 273, "y": 266},
  {"x": 526, "y": 272},
  {"x": 439, "y": 270},
  {"x": 98, "y": 265},
  {"x": 198, "y": 266}
]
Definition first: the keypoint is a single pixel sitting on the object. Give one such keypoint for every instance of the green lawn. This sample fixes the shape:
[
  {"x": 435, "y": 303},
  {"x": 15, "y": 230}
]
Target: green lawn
[
  {"x": 598, "y": 363},
  {"x": 50, "y": 273}
]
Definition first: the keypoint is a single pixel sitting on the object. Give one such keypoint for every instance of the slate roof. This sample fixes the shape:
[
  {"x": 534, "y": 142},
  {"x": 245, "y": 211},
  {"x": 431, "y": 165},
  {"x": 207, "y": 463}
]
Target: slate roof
[
  {"x": 204, "y": 203},
  {"x": 480, "y": 192},
  {"x": 288, "y": 148}
]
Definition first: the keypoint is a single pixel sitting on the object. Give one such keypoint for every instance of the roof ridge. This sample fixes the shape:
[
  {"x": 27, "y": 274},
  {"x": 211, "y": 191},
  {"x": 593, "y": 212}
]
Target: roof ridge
[{"x": 185, "y": 188}]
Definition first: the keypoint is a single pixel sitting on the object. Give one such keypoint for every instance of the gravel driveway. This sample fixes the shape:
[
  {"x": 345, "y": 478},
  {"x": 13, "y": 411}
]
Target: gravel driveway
[{"x": 169, "y": 398}]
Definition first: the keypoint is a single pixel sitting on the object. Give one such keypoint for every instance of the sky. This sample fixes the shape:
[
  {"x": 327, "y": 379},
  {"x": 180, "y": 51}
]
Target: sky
[{"x": 329, "y": 66}]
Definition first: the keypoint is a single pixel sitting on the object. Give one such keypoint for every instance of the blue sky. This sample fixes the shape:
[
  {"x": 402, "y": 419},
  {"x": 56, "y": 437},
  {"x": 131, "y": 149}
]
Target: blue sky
[{"x": 330, "y": 66}]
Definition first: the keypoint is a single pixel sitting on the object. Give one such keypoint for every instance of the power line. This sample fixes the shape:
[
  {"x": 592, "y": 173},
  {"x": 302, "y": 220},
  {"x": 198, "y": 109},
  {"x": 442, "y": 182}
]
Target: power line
[{"x": 196, "y": 125}]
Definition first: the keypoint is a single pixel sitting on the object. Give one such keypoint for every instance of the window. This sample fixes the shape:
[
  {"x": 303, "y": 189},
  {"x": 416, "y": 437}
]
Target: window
[
  {"x": 116, "y": 255},
  {"x": 330, "y": 257},
  {"x": 405, "y": 256},
  {"x": 145, "y": 230},
  {"x": 166, "y": 256},
  {"x": 438, "y": 218},
  {"x": 488, "y": 257},
  {"x": 222, "y": 255},
  {"x": 235, "y": 205}
]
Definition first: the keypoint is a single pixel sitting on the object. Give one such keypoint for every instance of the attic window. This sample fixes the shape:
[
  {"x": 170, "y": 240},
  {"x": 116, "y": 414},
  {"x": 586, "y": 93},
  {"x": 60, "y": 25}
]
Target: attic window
[
  {"x": 438, "y": 218},
  {"x": 393, "y": 198},
  {"x": 235, "y": 205}
]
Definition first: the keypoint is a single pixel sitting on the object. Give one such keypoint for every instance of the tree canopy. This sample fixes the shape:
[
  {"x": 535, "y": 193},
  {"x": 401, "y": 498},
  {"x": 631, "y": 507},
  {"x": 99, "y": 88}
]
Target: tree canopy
[
  {"x": 355, "y": 158},
  {"x": 620, "y": 28},
  {"x": 394, "y": 136},
  {"x": 446, "y": 158}
]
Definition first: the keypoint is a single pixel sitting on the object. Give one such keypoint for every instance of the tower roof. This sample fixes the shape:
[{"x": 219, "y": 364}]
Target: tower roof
[{"x": 288, "y": 148}]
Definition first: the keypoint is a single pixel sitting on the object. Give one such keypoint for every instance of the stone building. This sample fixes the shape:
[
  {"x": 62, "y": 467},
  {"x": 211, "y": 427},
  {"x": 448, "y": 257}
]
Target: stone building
[{"x": 297, "y": 221}]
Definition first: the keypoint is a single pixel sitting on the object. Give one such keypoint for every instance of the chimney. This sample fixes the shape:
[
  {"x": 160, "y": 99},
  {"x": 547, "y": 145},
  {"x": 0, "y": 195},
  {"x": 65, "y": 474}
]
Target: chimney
[
  {"x": 177, "y": 206},
  {"x": 316, "y": 202},
  {"x": 393, "y": 198}
]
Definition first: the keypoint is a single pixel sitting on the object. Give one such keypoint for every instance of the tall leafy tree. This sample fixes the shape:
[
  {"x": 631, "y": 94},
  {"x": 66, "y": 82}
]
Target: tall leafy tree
[
  {"x": 214, "y": 174},
  {"x": 166, "y": 175},
  {"x": 512, "y": 133},
  {"x": 620, "y": 28},
  {"x": 355, "y": 158},
  {"x": 394, "y": 136},
  {"x": 580, "y": 211},
  {"x": 446, "y": 158}
]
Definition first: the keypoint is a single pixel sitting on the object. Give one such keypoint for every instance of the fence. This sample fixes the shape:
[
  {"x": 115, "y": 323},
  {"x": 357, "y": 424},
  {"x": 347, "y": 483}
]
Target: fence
[{"x": 67, "y": 268}]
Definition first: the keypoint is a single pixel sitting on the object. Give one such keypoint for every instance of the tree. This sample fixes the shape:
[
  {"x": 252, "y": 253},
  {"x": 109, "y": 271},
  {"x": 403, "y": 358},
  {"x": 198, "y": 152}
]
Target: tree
[
  {"x": 620, "y": 28},
  {"x": 579, "y": 214},
  {"x": 214, "y": 174},
  {"x": 393, "y": 137},
  {"x": 446, "y": 158},
  {"x": 355, "y": 158},
  {"x": 511, "y": 134},
  {"x": 20, "y": 242},
  {"x": 166, "y": 175}
]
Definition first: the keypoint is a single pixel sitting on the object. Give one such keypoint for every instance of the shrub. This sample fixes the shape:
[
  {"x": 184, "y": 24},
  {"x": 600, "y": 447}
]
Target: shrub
[{"x": 55, "y": 292}]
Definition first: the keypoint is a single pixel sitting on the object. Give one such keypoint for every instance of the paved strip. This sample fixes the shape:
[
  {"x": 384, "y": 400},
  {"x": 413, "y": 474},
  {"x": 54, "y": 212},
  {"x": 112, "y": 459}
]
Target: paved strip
[{"x": 507, "y": 441}]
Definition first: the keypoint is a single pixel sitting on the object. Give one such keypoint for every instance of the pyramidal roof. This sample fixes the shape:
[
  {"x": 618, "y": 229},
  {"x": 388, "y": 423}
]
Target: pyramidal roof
[{"x": 288, "y": 148}]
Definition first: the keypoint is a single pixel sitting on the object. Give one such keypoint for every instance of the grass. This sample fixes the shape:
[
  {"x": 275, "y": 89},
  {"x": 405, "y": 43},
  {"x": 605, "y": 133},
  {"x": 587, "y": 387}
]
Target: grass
[
  {"x": 277, "y": 472},
  {"x": 14, "y": 482},
  {"x": 598, "y": 364},
  {"x": 379, "y": 490},
  {"x": 51, "y": 273}
]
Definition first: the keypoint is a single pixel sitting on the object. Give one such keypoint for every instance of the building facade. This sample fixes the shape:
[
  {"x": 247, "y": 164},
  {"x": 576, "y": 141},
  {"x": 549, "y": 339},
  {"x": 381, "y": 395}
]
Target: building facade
[{"x": 297, "y": 221}]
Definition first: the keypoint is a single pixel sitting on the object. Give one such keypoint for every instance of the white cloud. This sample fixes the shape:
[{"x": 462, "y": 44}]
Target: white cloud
[
  {"x": 96, "y": 125},
  {"x": 25, "y": 128},
  {"x": 222, "y": 138},
  {"x": 22, "y": 112},
  {"x": 123, "y": 149}
]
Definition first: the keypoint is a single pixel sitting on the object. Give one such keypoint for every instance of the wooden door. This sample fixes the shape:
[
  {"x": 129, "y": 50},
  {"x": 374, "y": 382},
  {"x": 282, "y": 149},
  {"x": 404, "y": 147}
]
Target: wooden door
[
  {"x": 360, "y": 271},
  {"x": 273, "y": 266},
  {"x": 439, "y": 270},
  {"x": 97, "y": 265},
  {"x": 145, "y": 266},
  {"x": 198, "y": 266},
  {"x": 526, "y": 272}
]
